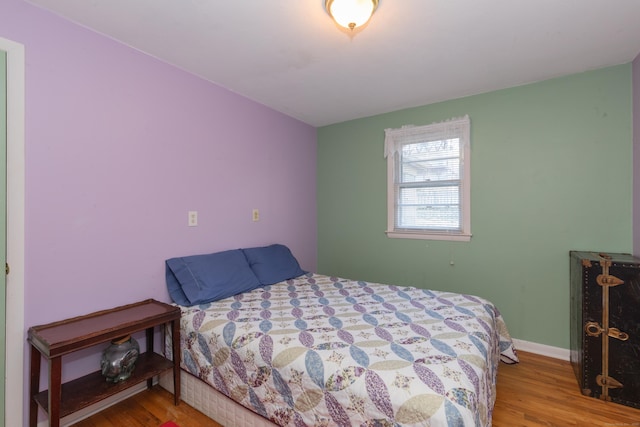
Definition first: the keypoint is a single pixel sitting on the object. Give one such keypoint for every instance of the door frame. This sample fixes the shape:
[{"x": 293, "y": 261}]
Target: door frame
[{"x": 15, "y": 332}]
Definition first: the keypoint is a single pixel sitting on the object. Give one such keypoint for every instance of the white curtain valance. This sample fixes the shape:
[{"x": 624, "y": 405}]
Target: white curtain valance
[{"x": 395, "y": 138}]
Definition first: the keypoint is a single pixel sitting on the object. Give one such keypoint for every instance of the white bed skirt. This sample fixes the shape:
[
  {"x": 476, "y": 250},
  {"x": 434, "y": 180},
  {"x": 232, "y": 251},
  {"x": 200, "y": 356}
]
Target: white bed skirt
[{"x": 212, "y": 403}]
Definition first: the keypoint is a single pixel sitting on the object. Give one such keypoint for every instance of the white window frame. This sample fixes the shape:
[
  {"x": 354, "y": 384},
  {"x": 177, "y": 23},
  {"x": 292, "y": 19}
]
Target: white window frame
[{"x": 395, "y": 139}]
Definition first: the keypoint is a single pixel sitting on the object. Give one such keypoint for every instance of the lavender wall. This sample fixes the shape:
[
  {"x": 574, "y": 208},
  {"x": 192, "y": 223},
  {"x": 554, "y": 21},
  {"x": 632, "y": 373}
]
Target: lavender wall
[
  {"x": 119, "y": 147},
  {"x": 635, "y": 73}
]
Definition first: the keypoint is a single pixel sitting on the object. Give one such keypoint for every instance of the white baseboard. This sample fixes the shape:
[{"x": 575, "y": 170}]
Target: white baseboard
[
  {"x": 97, "y": 407},
  {"x": 542, "y": 349}
]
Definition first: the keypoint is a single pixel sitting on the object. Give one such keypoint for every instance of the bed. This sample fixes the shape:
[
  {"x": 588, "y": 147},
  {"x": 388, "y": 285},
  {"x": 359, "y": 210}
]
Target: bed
[{"x": 317, "y": 350}]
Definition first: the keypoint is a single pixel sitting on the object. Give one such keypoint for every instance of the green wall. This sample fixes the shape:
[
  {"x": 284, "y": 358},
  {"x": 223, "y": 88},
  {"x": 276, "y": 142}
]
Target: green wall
[{"x": 551, "y": 172}]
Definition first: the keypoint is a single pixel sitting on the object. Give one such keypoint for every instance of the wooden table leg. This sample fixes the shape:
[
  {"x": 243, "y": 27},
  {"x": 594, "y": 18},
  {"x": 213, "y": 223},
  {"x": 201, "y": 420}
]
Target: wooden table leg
[
  {"x": 175, "y": 343},
  {"x": 34, "y": 385},
  {"x": 150, "y": 350},
  {"x": 55, "y": 390}
]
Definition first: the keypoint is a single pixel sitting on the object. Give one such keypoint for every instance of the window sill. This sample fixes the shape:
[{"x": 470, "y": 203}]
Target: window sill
[{"x": 458, "y": 237}]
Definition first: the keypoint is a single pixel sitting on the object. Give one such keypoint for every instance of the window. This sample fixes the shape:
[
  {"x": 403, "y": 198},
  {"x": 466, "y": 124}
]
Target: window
[{"x": 428, "y": 174}]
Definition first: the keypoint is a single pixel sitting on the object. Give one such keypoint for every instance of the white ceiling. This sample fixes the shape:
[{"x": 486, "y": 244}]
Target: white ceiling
[{"x": 289, "y": 55}]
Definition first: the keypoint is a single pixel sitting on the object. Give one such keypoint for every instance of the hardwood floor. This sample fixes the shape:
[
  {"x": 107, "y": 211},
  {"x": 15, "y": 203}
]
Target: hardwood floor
[
  {"x": 542, "y": 391},
  {"x": 150, "y": 408},
  {"x": 539, "y": 391}
]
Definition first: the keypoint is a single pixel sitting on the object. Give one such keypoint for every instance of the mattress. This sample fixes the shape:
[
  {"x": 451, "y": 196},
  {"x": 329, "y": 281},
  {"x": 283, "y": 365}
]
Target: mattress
[{"x": 321, "y": 350}]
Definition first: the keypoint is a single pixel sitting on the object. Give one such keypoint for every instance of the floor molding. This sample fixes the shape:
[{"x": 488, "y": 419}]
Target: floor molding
[
  {"x": 97, "y": 407},
  {"x": 542, "y": 349}
]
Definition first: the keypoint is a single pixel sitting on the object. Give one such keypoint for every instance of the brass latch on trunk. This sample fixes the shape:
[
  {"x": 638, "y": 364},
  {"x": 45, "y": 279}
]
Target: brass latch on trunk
[
  {"x": 608, "y": 382},
  {"x": 608, "y": 280},
  {"x": 594, "y": 329}
]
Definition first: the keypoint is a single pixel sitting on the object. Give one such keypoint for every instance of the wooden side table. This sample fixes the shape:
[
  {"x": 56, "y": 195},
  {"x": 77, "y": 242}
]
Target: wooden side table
[{"x": 59, "y": 338}]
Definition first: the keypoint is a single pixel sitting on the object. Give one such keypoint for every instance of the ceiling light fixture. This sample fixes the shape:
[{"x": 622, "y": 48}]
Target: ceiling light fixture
[{"x": 351, "y": 14}]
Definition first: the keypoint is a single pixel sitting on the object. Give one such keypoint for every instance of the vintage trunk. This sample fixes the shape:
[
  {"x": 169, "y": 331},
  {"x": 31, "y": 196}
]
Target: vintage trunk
[{"x": 605, "y": 325}]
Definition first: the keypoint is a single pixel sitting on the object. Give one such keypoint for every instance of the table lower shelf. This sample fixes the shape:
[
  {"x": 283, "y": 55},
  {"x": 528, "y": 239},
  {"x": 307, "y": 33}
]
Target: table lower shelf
[{"x": 93, "y": 388}]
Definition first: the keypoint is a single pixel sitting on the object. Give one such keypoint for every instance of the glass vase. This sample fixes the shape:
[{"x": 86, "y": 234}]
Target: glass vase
[{"x": 118, "y": 360}]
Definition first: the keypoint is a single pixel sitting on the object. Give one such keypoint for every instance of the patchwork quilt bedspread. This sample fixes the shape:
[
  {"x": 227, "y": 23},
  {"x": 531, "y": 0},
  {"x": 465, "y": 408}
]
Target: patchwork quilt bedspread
[{"x": 320, "y": 351}]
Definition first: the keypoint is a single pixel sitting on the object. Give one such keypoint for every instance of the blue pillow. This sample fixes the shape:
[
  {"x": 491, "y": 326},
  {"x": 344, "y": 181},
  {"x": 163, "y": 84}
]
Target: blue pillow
[
  {"x": 273, "y": 264},
  {"x": 199, "y": 279},
  {"x": 174, "y": 288}
]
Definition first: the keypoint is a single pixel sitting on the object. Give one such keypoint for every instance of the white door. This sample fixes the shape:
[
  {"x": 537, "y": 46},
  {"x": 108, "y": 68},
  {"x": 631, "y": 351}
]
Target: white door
[
  {"x": 12, "y": 212},
  {"x": 3, "y": 222}
]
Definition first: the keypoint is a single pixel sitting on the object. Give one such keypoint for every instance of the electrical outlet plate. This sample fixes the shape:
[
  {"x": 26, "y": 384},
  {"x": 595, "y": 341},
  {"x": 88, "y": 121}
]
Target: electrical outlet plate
[
  {"x": 256, "y": 215},
  {"x": 193, "y": 218}
]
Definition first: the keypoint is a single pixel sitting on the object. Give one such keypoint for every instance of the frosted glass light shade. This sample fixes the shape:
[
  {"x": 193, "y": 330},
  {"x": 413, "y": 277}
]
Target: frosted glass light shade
[{"x": 351, "y": 13}]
